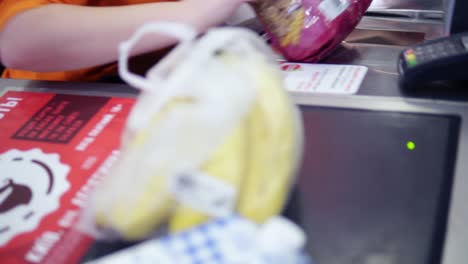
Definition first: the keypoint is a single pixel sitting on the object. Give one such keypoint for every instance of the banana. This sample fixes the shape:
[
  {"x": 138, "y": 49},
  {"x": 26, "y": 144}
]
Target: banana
[
  {"x": 135, "y": 218},
  {"x": 228, "y": 164},
  {"x": 275, "y": 139},
  {"x": 264, "y": 149},
  {"x": 256, "y": 150}
]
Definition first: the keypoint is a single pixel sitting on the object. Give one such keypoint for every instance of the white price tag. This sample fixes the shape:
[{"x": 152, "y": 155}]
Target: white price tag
[
  {"x": 333, "y": 8},
  {"x": 323, "y": 78},
  {"x": 204, "y": 193}
]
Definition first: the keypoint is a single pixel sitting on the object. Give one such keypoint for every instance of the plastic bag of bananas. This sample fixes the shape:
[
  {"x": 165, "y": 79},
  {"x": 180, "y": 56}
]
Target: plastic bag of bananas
[{"x": 213, "y": 133}]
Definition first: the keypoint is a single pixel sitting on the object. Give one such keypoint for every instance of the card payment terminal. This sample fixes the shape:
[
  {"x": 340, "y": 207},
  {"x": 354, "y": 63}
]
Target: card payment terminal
[{"x": 441, "y": 59}]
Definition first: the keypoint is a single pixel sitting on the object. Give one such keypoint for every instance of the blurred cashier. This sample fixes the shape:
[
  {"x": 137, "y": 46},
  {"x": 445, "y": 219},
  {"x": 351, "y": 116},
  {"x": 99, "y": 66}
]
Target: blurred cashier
[{"x": 76, "y": 40}]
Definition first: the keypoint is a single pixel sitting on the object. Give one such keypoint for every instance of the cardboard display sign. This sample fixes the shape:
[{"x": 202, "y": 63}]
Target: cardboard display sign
[{"x": 54, "y": 148}]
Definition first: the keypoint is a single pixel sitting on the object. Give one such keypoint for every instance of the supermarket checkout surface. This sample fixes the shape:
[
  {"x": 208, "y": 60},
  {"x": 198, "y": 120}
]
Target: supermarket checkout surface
[{"x": 383, "y": 177}]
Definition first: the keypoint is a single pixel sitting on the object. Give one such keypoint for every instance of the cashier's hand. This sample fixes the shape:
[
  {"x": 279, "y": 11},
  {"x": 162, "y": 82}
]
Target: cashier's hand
[{"x": 214, "y": 12}]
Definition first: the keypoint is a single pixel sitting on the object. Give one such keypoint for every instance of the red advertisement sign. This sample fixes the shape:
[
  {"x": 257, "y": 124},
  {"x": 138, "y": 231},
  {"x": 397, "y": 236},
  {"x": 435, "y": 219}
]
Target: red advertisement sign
[{"x": 54, "y": 148}]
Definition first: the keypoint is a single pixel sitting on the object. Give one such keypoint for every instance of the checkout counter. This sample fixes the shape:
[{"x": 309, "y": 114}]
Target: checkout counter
[{"x": 384, "y": 178}]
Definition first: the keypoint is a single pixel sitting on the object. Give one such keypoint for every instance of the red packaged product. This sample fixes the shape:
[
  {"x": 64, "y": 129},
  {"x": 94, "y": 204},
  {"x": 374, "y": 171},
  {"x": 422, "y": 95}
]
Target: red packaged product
[
  {"x": 309, "y": 30},
  {"x": 54, "y": 149}
]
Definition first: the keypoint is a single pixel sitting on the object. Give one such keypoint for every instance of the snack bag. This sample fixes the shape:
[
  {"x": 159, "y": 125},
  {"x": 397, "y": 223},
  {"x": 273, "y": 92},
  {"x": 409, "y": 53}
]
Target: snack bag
[
  {"x": 213, "y": 133},
  {"x": 309, "y": 30}
]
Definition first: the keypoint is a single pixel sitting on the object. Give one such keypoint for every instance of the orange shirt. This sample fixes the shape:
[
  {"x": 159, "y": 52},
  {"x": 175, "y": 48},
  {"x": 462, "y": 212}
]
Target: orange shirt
[{"x": 9, "y": 8}]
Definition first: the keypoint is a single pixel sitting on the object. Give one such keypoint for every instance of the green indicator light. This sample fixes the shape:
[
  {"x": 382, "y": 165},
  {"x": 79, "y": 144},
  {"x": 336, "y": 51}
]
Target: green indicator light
[
  {"x": 413, "y": 63},
  {"x": 411, "y": 59},
  {"x": 410, "y": 145}
]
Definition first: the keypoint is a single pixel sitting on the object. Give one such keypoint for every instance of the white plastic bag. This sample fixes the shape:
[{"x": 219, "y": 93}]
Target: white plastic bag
[{"x": 213, "y": 133}]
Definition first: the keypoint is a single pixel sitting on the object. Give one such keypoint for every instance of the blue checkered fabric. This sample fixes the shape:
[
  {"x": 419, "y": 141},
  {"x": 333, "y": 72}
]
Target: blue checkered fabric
[
  {"x": 199, "y": 245},
  {"x": 223, "y": 241}
]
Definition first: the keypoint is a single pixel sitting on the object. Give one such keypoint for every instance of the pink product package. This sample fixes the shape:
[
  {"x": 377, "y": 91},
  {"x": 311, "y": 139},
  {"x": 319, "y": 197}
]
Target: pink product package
[{"x": 309, "y": 30}]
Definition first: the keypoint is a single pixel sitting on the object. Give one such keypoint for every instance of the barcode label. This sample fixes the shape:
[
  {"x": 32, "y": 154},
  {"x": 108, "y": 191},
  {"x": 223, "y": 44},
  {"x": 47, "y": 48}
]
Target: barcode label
[
  {"x": 333, "y": 8},
  {"x": 204, "y": 193}
]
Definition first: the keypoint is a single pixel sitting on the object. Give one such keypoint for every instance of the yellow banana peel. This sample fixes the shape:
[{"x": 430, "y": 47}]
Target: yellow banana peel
[
  {"x": 274, "y": 138},
  {"x": 227, "y": 164},
  {"x": 267, "y": 157}
]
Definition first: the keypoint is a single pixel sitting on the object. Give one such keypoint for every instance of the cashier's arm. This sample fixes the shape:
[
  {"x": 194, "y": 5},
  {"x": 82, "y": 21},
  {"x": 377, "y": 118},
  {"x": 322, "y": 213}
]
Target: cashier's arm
[{"x": 59, "y": 37}]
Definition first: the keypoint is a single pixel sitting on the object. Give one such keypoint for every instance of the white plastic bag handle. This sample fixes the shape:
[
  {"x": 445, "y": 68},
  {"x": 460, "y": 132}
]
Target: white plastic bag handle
[{"x": 182, "y": 32}]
